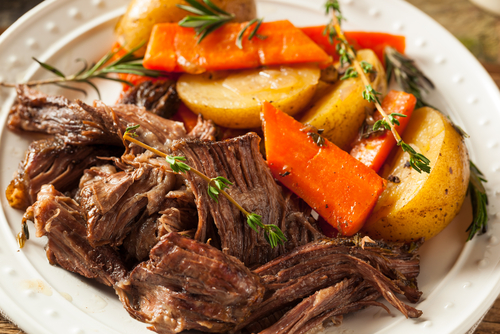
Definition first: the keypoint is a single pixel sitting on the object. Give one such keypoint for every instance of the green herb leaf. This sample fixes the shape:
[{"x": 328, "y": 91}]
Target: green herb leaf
[
  {"x": 208, "y": 19},
  {"x": 131, "y": 130},
  {"x": 350, "y": 73},
  {"x": 371, "y": 95},
  {"x": 366, "y": 66},
  {"x": 177, "y": 165},
  {"x": 479, "y": 201},
  {"x": 418, "y": 161}
]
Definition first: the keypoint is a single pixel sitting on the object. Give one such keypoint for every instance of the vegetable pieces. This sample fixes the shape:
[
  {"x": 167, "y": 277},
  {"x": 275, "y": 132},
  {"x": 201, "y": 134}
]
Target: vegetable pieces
[
  {"x": 175, "y": 49},
  {"x": 373, "y": 148},
  {"x": 340, "y": 188},
  {"x": 375, "y": 41}
]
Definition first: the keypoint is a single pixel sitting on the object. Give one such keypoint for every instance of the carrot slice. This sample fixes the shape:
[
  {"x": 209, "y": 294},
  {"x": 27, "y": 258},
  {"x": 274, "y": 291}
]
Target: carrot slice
[
  {"x": 359, "y": 40},
  {"x": 340, "y": 188},
  {"x": 174, "y": 48},
  {"x": 374, "y": 150}
]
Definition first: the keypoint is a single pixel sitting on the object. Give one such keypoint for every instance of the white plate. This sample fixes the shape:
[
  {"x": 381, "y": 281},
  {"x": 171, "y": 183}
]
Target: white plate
[{"x": 459, "y": 281}]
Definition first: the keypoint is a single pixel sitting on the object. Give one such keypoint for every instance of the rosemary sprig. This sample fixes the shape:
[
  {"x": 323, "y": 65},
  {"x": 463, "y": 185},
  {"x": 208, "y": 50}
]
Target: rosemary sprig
[
  {"x": 479, "y": 201},
  {"x": 215, "y": 186},
  {"x": 407, "y": 75},
  {"x": 210, "y": 18},
  {"x": 128, "y": 63},
  {"x": 253, "y": 33},
  {"x": 348, "y": 55}
]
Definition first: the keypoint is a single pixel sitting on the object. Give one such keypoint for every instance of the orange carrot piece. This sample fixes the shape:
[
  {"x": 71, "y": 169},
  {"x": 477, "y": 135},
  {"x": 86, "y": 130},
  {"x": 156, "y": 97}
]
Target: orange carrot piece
[
  {"x": 174, "y": 48},
  {"x": 359, "y": 40},
  {"x": 374, "y": 150},
  {"x": 340, "y": 188}
]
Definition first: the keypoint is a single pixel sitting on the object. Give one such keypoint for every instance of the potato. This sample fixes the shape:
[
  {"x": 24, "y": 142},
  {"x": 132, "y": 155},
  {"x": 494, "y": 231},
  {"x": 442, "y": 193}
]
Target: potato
[
  {"x": 135, "y": 26},
  {"x": 421, "y": 205},
  {"x": 342, "y": 110},
  {"x": 233, "y": 98}
]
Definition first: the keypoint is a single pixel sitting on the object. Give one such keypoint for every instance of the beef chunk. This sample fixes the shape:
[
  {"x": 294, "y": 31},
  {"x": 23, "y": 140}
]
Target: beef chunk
[
  {"x": 159, "y": 97},
  {"x": 240, "y": 161},
  {"x": 115, "y": 203},
  {"x": 51, "y": 161},
  {"x": 78, "y": 123},
  {"x": 63, "y": 221},
  {"x": 322, "y": 264},
  {"x": 190, "y": 285}
]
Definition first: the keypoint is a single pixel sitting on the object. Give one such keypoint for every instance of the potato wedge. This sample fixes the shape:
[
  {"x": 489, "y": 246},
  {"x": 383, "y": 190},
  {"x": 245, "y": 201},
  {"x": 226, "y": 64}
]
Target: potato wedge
[
  {"x": 233, "y": 98},
  {"x": 421, "y": 205},
  {"x": 342, "y": 110},
  {"x": 136, "y": 24}
]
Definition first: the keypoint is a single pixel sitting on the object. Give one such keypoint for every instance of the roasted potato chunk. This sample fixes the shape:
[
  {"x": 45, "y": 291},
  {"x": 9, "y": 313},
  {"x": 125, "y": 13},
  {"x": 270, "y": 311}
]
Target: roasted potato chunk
[
  {"x": 341, "y": 110},
  {"x": 233, "y": 98},
  {"x": 419, "y": 204}
]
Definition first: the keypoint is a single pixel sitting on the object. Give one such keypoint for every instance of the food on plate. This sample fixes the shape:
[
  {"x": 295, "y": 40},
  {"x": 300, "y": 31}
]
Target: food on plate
[
  {"x": 340, "y": 188},
  {"x": 419, "y": 205},
  {"x": 342, "y": 110},
  {"x": 373, "y": 147},
  {"x": 176, "y": 49},
  {"x": 134, "y": 28},
  {"x": 234, "y": 98},
  {"x": 198, "y": 233}
]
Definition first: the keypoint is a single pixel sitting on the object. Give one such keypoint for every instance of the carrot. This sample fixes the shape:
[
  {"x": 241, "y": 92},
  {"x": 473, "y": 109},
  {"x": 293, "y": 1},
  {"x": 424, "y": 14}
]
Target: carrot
[
  {"x": 359, "y": 40},
  {"x": 373, "y": 151},
  {"x": 340, "y": 188},
  {"x": 173, "y": 48},
  {"x": 185, "y": 115}
]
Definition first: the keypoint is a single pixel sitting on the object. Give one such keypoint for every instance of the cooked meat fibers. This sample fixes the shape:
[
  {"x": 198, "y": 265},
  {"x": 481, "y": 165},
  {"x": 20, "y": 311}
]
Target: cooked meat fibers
[
  {"x": 78, "y": 123},
  {"x": 322, "y": 264},
  {"x": 240, "y": 161},
  {"x": 190, "y": 285},
  {"x": 62, "y": 220},
  {"x": 204, "y": 129},
  {"x": 113, "y": 204},
  {"x": 35, "y": 111},
  {"x": 159, "y": 97},
  {"x": 51, "y": 161}
]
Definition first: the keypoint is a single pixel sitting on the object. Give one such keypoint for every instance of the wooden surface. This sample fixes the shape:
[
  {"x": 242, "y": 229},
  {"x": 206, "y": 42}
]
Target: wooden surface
[{"x": 477, "y": 30}]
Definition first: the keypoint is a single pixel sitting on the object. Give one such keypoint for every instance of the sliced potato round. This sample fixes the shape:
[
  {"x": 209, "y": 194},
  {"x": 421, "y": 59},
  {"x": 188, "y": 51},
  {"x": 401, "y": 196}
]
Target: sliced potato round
[
  {"x": 421, "y": 205},
  {"x": 135, "y": 26},
  {"x": 233, "y": 98},
  {"x": 341, "y": 109}
]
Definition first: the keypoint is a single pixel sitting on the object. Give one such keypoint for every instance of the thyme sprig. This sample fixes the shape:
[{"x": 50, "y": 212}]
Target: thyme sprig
[
  {"x": 479, "y": 201},
  {"x": 209, "y": 18},
  {"x": 348, "y": 55},
  {"x": 407, "y": 75},
  {"x": 128, "y": 63},
  {"x": 215, "y": 187}
]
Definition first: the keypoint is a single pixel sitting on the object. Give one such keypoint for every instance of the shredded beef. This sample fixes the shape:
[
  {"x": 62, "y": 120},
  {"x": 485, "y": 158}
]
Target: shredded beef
[
  {"x": 159, "y": 97},
  {"x": 240, "y": 161},
  {"x": 51, "y": 161},
  {"x": 115, "y": 203},
  {"x": 190, "y": 285},
  {"x": 204, "y": 129},
  {"x": 62, "y": 220}
]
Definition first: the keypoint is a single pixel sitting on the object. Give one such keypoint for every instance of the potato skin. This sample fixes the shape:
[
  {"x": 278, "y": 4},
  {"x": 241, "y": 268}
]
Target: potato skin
[
  {"x": 340, "y": 112},
  {"x": 135, "y": 26},
  {"x": 422, "y": 205},
  {"x": 207, "y": 93}
]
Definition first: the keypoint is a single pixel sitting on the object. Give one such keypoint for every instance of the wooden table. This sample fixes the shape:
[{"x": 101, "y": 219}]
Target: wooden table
[{"x": 476, "y": 29}]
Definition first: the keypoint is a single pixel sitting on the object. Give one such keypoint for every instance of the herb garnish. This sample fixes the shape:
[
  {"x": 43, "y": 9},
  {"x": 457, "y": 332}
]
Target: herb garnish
[
  {"x": 210, "y": 18},
  {"x": 407, "y": 75},
  {"x": 347, "y": 55},
  {"x": 128, "y": 63},
  {"x": 479, "y": 201},
  {"x": 216, "y": 186}
]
